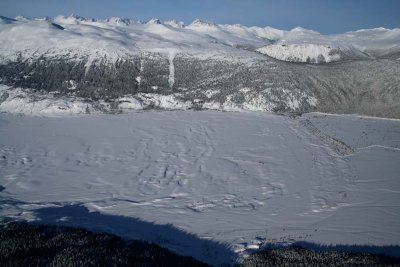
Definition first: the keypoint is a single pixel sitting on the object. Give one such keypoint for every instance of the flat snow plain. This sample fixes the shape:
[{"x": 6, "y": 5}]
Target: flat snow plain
[{"x": 241, "y": 179}]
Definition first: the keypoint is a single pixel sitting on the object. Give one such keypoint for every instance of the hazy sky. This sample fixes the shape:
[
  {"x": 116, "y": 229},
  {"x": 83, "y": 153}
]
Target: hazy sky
[{"x": 326, "y": 16}]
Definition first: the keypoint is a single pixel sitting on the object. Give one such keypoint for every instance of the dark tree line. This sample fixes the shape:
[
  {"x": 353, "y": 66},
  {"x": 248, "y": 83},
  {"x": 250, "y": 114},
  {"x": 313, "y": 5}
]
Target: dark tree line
[
  {"x": 298, "y": 256},
  {"x": 23, "y": 244}
]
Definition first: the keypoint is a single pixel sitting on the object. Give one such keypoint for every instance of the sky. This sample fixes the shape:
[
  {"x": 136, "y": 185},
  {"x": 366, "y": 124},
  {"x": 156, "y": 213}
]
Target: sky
[{"x": 325, "y": 16}]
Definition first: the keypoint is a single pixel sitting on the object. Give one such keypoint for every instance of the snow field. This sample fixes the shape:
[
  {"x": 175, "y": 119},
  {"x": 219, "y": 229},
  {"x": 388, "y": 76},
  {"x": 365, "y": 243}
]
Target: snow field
[{"x": 244, "y": 179}]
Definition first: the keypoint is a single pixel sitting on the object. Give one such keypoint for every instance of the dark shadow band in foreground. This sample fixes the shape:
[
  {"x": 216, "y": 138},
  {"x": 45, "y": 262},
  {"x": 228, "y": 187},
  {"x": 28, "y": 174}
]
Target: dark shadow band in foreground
[{"x": 165, "y": 235}]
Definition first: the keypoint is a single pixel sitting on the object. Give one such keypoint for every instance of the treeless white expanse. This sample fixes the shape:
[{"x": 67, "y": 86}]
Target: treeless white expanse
[{"x": 244, "y": 179}]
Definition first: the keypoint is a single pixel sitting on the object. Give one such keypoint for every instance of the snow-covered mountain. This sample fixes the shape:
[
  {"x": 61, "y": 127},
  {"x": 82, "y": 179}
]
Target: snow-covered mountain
[
  {"x": 167, "y": 64},
  {"x": 117, "y": 36},
  {"x": 301, "y": 45}
]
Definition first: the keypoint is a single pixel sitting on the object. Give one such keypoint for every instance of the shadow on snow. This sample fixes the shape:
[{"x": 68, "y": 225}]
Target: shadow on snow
[{"x": 165, "y": 235}]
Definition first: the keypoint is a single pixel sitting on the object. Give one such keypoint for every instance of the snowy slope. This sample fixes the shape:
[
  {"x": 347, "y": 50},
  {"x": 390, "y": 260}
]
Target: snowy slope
[
  {"x": 117, "y": 37},
  {"x": 301, "y": 45},
  {"x": 377, "y": 42},
  {"x": 310, "y": 53},
  {"x": 243, "y": 179}
]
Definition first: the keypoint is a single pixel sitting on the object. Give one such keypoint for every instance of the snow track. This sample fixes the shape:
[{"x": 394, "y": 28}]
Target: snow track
[{"x": 244, "y": 179}]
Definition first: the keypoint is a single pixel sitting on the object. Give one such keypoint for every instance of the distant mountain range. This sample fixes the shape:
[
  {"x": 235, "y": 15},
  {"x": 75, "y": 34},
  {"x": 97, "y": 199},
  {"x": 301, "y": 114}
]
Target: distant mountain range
[{"x": 117, "y": 36}]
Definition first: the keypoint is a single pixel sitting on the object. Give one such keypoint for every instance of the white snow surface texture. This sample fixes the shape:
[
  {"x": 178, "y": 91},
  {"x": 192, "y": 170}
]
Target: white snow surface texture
[
  {"x": 242, "y": 179},
  {"x": 117, "y": 38}
]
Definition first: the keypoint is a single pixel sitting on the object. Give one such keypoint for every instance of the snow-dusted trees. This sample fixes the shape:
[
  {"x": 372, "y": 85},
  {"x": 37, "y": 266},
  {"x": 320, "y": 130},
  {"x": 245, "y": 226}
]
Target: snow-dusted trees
[{"x": 368, "y": 87}]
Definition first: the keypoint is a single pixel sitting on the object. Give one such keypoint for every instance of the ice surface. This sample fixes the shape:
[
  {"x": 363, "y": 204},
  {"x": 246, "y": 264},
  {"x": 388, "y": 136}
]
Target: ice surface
[{"x": 244, "y": 179}]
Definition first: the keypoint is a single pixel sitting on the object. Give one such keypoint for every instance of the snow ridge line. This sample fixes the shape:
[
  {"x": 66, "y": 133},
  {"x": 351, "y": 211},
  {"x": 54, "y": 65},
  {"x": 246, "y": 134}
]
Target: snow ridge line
[{"x": 341, "y": 147}]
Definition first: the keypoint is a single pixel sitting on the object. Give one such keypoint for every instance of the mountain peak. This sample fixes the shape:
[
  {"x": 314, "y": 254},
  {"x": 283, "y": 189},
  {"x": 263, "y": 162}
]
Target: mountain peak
[
  {"x": 21, "y": 18},
  {"x": 380, "y": 29},
  {"x": 6, "y": 19},
  {"x": 303, "y": 30},
  {"x": 175, "y": 23},
  {"x": 199, "y": 22},
  {"x": 118, "y": 20},
  {"x": 154, "y": 21},
  {"x": 71, "y": 19}
]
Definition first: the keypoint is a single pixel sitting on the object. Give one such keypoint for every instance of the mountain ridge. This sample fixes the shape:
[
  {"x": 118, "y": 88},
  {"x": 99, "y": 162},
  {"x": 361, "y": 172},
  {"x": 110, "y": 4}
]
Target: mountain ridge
[{"x": 125, "y": 34}]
